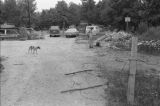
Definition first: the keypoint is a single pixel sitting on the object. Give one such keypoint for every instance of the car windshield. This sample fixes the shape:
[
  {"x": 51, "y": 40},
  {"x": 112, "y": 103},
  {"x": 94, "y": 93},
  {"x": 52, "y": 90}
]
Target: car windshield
[
  {"x": 54, "y": 28},
  {"x": 54, "y": 31},
  {"x": 72, "y": 30}
]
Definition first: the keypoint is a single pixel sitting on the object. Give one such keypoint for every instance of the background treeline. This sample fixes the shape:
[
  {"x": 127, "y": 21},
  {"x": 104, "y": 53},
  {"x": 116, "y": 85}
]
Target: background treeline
[{"x": 106, "y": 12}]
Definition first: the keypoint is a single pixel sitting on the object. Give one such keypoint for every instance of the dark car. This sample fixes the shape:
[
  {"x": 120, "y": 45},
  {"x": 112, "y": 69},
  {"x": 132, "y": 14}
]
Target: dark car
[{"x": 54, "y": 31}]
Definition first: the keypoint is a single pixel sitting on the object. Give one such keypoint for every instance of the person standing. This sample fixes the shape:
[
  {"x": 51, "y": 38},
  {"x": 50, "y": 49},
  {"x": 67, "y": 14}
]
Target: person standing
[{"x": 90, "y": 38}]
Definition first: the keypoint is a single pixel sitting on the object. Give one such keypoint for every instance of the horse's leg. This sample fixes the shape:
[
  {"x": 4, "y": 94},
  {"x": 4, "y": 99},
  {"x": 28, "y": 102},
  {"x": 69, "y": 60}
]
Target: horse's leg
[
  {"x": 32, "y": 51},
  {"x": 36, "y": 51},
  {"x": 28, "y": 51}
]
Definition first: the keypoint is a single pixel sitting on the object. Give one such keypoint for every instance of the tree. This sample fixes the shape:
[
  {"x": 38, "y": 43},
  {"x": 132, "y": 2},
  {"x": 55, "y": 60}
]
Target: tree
[
  {"x": 151, "y": 12},
  {"x": 45, "y": 19},
  {"x": 54, "y": 16},
  {"x": 27, "y": 11},
  {"x": 1, "y": 12},
  {"x": 106, "y": 12},
  {"x": 88, "y": 11},
  {"x": 113, "y": 12},
  {"x": 74, "y": 14},
  {"x": 103, "y": 9},
  {"x": 10, "y": 12},
  {"x": 17, "y": 12},
  {"x": 62, "y": 13}
]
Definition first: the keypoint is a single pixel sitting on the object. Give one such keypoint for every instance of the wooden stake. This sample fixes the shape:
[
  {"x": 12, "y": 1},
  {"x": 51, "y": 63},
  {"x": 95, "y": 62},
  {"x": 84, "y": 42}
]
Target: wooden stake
[{"x": 131, "y": 81}]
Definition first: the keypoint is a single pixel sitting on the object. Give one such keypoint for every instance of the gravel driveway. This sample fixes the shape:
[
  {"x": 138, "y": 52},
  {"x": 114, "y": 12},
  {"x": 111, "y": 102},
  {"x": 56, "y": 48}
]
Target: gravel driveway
[{"x": 37, "y": 80}]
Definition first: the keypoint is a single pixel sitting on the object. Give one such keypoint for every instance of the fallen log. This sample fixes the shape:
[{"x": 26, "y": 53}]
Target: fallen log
[
  {"x": 18, "y": 64},
  {"x": 81, "y": 89},
  {"x": 79, "y": 72}
]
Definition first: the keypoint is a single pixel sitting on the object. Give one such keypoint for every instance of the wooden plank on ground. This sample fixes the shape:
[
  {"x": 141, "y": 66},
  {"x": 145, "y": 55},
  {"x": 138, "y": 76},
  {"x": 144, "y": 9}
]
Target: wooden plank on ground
[
  {"x": 79, "y": 72},
  {"x": 81, "y": 89}
]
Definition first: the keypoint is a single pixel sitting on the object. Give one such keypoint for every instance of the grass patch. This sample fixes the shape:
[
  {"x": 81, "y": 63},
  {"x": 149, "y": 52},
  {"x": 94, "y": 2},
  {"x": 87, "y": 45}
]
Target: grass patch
[
  {"x": 147, "y": 88},
  {"x": 1, "y": 65}
]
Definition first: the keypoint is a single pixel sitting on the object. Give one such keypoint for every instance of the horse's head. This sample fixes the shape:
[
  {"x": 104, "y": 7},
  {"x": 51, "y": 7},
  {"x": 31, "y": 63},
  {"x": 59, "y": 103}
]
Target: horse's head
[{"x": 38, "y": 47}]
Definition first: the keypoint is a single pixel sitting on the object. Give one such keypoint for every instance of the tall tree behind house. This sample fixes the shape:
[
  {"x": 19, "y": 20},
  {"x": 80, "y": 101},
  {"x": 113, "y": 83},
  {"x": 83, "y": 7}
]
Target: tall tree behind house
[
  {"x": 27, "y": 11},
  {"x": 10, "y": 11}
]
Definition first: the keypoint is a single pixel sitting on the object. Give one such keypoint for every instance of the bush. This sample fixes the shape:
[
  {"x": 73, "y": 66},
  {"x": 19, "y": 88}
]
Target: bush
[
  {"x": 153, "y": 33},
  {"x": 142, "y": 28},
  {"x": 23, "y": 33},
  {"x": 26, "y": 35}
]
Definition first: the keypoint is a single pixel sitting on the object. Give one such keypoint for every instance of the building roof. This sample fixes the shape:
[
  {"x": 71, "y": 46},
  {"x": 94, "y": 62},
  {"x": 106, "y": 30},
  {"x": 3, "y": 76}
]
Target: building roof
[{"x": 7, "y": 26}]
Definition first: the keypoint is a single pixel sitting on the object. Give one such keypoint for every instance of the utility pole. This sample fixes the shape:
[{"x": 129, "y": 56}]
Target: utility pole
[
  {"x": 63, "y": 26},
  {"x": 132, "y": 73},
  {"x": 29, "y": 14}
]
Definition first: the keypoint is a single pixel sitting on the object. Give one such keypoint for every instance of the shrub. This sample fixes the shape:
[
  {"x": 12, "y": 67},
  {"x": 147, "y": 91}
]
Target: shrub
[
  {"x": 142, "y": 28},
  {"x": 26, "y": 35},
  {"x": 152, "y": 33},
  {"x": 23, "y": 33}
]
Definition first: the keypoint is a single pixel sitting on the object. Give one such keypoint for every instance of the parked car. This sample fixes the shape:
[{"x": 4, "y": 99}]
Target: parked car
[
  {"x": 95, "y": 29},
  {"x": 54, "y": 31},
  {"x": 71, "y": 32},
  {"x": 8, "y": 33}
]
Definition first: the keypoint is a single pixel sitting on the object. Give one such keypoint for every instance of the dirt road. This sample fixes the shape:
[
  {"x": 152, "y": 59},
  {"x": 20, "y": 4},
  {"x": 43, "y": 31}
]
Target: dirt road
[{"x": 37, "y": 80}]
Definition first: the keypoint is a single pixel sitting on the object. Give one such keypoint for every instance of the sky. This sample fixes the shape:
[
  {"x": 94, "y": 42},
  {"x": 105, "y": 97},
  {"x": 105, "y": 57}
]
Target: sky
[{"x": 47, "y": 4}]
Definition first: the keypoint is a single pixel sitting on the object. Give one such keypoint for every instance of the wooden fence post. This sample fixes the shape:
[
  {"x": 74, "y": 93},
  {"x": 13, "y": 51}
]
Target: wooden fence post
[{"x": 132, "y": 73}]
